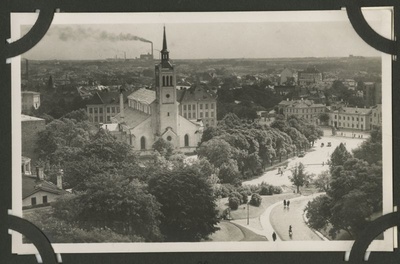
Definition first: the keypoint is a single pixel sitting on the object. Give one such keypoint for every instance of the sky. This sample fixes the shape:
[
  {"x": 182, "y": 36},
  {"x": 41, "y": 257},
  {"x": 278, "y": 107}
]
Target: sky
[{"x": 201, "y": 40}]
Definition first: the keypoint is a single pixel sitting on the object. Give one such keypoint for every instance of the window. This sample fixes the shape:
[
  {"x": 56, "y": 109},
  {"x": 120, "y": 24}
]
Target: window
[
  {"x": 142, "y": 143},
  {"x": 186, "y": 140},
  {"x": 357, "y": 118},
  {"x": 168, "y": 96},
  {"x": 206, "y": 106},
  {"x": 352, "y": 118},
  {"x": 340, "y": 117},
  {"x": 108, "y": 119},
  {"x": 169, "y": 138},
  {"x": 212, "y": 114},
  {"x": 212, "y": 106},
  {"x": 206, "y": 114},
  {"x": 362, "y": 119},
  {"x": 189, "y": 115},
  {"x": 194, "y": 115},
  {"x": 100, "y": 110},
  {"x": 201, "y": 106},
  {"x": 44, "y": 199},
  {"x": 113, "y": 109},
  {"x": 170, "y": 80},
  {"x": 194, "y": 107},
  {"x": 184, "y": 115},
  {"x": 108, "y": 109},
  {"x": 33, "y": 201},
  {"x": 189, "y": 107},
  {"x": 117, "y": 109},
  {"x": 95, "y": 110},
  {"x": 90, "y": 110},
  {"x": 362, "y": 126},
  {"x": 335, "y": 117},
  {"x": 348, "y": 118},
  {"x": 96, "y": 119},
  {"x": 168, "y": 114},
  {"x": 101, "y": 119},
  {"x": 163, "y": 81},
  {"x": 357, "y": 125},
  {"x": 340, "y": 124},
  {"x": 184, "y": 107},
  {"x": 201, "y": 114}
]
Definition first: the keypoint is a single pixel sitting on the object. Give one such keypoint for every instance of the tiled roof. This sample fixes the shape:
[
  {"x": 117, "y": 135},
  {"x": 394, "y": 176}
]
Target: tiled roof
[
  {"x": 132, "y": 117},
  {"x": 354, "y": 110},
  {"x": 197, "y": 93},
  {"x": 30, "y": 92},
  {"x": 31, "y": 185},
  {"x": 104, "y": 97},
  {"x": 143, "y": 95}
]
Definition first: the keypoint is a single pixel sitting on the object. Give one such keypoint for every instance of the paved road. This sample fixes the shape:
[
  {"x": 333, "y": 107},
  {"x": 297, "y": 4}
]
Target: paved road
[{"x": 281, "y": 218}]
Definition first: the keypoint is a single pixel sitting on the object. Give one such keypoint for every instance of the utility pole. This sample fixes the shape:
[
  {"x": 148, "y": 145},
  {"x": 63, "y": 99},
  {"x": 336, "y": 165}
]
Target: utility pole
[{"x": 248, "y": 213}]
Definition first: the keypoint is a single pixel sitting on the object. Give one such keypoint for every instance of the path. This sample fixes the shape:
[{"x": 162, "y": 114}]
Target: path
[{"x": 281, "y": 218}]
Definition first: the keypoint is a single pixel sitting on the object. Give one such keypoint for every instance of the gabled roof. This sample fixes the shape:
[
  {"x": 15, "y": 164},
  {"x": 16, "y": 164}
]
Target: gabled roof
[
  {"x": 31, "y": 185},
  {"x": 197, "y": 93},
  {"x": 132, "y": 117},
  {"x": 143, "y": 95},
  {"x": 30, "y": 118},
  {"x": 355, "y": 110}
]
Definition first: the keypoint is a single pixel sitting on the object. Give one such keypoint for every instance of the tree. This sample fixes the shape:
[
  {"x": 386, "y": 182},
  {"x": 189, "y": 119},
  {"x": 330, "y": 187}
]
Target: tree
[
  {"x": 324, "y": 118},
  {"x": 216, "y": 150},
  {"x": 339, "y": 156},
  {"x": 299, "y": 177},
  {"x": 322, "y": 182},
  {"x": 164, "y": 147},
  {"x": 50, "y": 86},
  {"x": 318, "y": 212},
  {"x": 114, "y": 201},
  {"x": 229, "y": 172},
  {"x": 78, "y": 115},
  {"x": 187, "y": 203},
  {"x": 371, "y": 149},
  {"x": 255, "y": 199}
]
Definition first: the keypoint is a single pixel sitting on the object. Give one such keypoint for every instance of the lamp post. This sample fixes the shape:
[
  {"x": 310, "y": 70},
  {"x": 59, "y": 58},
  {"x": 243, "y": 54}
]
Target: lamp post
[{"x": 248, "y": 213}]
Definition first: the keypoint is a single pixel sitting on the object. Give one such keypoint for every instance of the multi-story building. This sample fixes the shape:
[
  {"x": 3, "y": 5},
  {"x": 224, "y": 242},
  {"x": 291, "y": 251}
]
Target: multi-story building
[
  {"x": 197, "y": 103},
  {"x": 104, "y": 105},
  {"x": 350, "y": 118},
  {"x": 30, "y": 100},
  {"x": 309, "y": 76},
  {"x": 287, "y": 76},
  {"x": 305, "y": 109},
  {"x": 376, "y": 116},
  {"x": 372, "y": 93}
]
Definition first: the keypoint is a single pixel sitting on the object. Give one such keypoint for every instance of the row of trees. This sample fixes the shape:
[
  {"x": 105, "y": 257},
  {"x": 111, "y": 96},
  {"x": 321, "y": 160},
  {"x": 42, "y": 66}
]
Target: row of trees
[
  {"x": 242, "y": 150},
  {"x": 162, "y": 199},
  {"x": 353, "y": 188}
]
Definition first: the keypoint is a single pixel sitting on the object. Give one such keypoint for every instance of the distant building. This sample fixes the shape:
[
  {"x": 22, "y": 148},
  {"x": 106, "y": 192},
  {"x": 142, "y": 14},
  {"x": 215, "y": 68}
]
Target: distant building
[
  {"x": 376, "y": 116},
  {"x": 199, "y": 102},
  {"x": 350, "y": 118},
  {"x": 30, "y": 100},
  {"x": 103, "y": 106},
  {"x": 147, "y": 57},
  {"x": 350, "y": 84},
  {"x": 372, "y": 93},
  {"x": 305, "y": 109},
  {"x": 284, "y": 89},
  {"x": 30, "y": 128},
  {"x": 309, "y": 76},
  {"x": 287, "y": 76}
]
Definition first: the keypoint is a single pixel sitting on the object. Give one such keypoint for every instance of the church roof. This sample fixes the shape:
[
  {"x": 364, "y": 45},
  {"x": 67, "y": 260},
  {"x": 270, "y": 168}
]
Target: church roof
[
  {"x": 132, "y": 117},
  {"x": 143, "y": 95},
  {"x": 105, "y": 97}
]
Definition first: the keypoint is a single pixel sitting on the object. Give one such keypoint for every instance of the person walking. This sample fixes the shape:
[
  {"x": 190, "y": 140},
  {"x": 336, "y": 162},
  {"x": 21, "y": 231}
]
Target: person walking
[
  {"x": 274, "y": 236},
  {"x": 290, "y": 232},
  {"x": 287, "y": 203},
  {"x": 284, "y": 203}
]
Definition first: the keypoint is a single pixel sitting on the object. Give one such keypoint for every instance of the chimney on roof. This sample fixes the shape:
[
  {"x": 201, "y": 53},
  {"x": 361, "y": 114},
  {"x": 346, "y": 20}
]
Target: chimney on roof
[
  {"x": 39, "y": 173},
  {"x": 60, "y": 175}
]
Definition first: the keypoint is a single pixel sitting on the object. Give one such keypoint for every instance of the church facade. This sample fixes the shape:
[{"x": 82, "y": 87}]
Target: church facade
[{"x": 151, "y": 115}]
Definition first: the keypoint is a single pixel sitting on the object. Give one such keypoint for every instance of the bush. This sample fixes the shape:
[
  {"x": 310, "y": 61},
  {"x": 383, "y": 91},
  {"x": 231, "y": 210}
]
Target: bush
[
  {"x": 277, "y": 189},
  {"x": 246, "y": 189},
  {"x": 224, "y": 190},
  {"x": 267, "y": 189},
  {"x": 234, "y": 203},
  {"x": 237, "y": 195},
  {"x": 245, "y": 197},
  {"x": 255, "y": 199}
]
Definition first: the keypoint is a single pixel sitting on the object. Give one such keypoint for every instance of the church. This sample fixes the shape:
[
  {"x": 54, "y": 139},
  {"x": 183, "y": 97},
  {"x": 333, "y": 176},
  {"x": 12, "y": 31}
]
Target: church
[{"x": 151, "y": 115}]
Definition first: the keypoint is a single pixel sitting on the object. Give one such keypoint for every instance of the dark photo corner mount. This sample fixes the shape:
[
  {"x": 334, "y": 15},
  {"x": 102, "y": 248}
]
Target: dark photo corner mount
[{"x": 47, "y": 8}]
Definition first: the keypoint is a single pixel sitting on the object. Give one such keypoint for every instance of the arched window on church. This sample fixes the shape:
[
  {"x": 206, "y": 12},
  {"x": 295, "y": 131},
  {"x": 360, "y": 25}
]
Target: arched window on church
[
  {"x": 170, "y": 80},
  {"x": 163, "y": 81},
  {"x": 186, "y": 140},
  {"x": 143, "y": 143}
]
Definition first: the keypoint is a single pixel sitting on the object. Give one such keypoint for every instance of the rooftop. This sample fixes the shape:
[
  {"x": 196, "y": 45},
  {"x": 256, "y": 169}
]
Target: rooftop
[
  {"x": 31, "y": 185},
  {"x": 143, "y": 95},
  {"x": 30, "y": 92},
  {"x": 132, "y": 118},
  {"x": 105, "y": 97},
  {"x": 30, "y": 118},
  {"x": 196, "y": 93}
]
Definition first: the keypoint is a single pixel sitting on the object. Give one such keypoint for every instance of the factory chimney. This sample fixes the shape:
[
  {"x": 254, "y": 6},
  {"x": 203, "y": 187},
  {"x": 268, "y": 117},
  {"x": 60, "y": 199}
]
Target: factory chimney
[
  {"x": 152, "y": 51},
  {"x": 121, "y": 104},
  {"x": 125, "y": 55}
]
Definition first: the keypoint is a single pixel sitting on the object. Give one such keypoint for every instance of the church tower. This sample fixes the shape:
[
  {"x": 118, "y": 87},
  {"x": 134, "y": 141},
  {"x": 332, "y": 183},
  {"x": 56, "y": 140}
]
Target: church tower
[{"x": 167, "y": 126}]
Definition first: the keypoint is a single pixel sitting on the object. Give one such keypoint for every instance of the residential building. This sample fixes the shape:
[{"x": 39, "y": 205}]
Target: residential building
[
  {"x": 305, "y": 109},
  {"x": 284, "y": 89},
  {"x": 199, "y": 103},
  {"x": 309, "y": 76},
  {"x": 376, "y": 116},
  {"x": 30, "y": 100},
  {"x": 287, "y": 76},
  {"x": 151, "y": 115},
  {"x": 350, "y": 118},
  {"x": 104, "y": 105}
]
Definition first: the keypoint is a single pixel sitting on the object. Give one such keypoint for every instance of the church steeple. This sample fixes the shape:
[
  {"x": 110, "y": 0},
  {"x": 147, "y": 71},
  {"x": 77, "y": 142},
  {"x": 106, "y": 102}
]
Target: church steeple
[{"x": 165, "y": 52}]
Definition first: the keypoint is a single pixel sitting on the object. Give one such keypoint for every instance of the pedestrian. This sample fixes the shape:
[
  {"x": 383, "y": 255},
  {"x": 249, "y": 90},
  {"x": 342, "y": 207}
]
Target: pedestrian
[
  {"x": 288, "y": 203},
  {"x": 281, "y": 172},
  {"x": 290, "y": 231},
  {"x": 274, "y": 236},
  {"x": 284, "y": 203}
]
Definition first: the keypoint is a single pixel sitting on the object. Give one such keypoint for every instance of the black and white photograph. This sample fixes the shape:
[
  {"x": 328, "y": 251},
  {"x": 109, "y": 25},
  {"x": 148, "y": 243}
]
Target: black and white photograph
[{"x": 149, "y": 132}]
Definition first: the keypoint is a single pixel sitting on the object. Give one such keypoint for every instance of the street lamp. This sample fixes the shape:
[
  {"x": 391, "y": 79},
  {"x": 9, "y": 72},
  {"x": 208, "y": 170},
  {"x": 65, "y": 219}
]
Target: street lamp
[{"x": 247, "y": 213}]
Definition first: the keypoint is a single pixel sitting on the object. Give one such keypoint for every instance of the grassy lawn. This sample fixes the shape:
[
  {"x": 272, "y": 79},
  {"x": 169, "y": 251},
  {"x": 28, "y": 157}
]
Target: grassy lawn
[
  {"x": 227, "y": 232},
  {"x": 267, "y": 200}
]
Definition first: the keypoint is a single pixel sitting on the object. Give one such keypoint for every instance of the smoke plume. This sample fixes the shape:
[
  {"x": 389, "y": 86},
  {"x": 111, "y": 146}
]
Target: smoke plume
[{"x": 83, "y": 33}]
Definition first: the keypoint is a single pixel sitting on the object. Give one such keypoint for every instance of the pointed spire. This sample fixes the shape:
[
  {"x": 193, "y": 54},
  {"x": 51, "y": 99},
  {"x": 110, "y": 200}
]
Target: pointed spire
[{"x": 164, "y": 47}]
